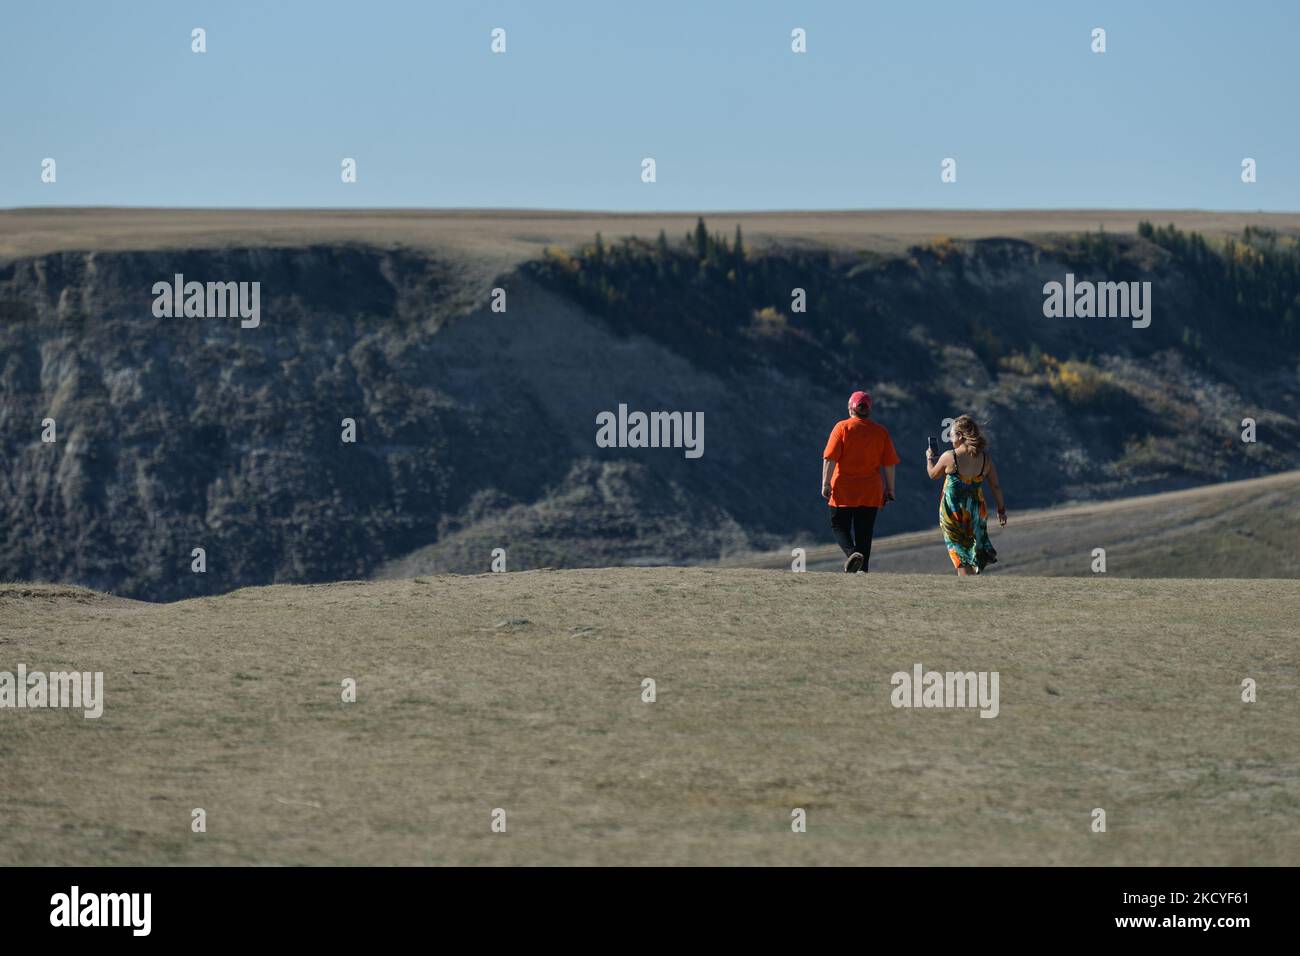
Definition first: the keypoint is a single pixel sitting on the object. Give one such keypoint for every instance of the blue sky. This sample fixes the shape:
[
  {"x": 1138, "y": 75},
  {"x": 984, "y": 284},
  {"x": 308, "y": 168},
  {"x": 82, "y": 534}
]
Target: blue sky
[{"x": 711, "y": 90}]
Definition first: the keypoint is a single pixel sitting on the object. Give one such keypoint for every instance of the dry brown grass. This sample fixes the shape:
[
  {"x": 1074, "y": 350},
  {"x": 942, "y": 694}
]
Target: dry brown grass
[
  {"x": 1234, "y": 529},
  {"x": 507, "y": 236},
  {"x": 522, "y": 691}
]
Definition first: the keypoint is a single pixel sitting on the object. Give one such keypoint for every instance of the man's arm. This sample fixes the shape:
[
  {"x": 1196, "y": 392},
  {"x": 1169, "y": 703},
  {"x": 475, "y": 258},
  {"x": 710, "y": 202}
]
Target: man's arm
[
  {"x": 889, "y": 482},
  {"x": 827, "y": 465}
]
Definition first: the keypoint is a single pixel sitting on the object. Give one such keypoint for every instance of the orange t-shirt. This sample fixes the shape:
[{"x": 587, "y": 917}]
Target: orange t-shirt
[{"x": 860, "y": 448}]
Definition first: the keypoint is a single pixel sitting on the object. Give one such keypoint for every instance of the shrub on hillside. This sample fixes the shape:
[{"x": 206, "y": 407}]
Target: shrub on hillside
[{"x": 1081, "y": 383}]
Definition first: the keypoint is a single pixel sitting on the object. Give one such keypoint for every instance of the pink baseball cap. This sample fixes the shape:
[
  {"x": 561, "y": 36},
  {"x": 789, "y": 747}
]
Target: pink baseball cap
[{"x": 860, "y": 400}]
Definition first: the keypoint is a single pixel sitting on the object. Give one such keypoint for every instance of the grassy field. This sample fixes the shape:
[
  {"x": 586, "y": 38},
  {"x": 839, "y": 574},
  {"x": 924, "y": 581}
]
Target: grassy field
[
  {"x": 1235, "y": 529},
  {"x": 523, "y": 691},
  {"x": 509, "y": 236}
]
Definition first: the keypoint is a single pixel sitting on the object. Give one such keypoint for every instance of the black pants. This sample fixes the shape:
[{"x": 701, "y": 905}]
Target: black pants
[{"x": 853, "y": 529}]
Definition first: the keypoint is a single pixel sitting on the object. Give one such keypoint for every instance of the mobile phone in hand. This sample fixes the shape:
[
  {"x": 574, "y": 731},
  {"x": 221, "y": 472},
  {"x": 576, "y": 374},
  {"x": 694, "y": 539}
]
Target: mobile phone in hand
[{"x": 929, "y": 444}]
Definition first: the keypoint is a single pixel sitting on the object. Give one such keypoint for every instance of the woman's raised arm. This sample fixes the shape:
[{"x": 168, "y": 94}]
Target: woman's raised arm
[{"x": 935, "y": 467}]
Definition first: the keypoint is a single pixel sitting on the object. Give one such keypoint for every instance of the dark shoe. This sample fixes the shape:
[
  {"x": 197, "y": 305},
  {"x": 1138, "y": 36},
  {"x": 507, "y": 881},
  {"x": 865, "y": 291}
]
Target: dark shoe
[{"x": 854, "y": 564}]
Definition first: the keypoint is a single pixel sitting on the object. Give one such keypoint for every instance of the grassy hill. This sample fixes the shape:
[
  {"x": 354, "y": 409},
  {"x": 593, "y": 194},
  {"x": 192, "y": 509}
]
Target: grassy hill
[
  {"x": 523, "y": 691},
  {"x": 1236, "y": 529},
  {"x": 475, "y": 429}
]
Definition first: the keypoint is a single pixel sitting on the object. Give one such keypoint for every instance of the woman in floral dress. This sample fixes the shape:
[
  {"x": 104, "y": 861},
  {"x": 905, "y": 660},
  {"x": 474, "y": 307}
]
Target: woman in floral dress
[{"x": 963, "y": 515}]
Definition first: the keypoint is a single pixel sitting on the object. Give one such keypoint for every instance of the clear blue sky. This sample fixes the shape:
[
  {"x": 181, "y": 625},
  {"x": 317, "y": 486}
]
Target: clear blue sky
[{"x": 735, "y": 121}]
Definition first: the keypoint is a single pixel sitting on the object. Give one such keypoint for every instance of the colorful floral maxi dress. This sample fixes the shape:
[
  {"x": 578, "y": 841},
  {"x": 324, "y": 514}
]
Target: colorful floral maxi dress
[{"x": 964, "y": 520}]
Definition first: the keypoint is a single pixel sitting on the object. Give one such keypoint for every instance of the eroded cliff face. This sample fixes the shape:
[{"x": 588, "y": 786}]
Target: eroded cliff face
[
  {"x": 476, "y": 429},
  {"x": 182, "y": 433}
]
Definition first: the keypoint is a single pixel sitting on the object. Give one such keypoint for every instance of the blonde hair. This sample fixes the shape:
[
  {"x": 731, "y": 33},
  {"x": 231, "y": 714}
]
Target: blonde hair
[{"x": 967, "y": 432}]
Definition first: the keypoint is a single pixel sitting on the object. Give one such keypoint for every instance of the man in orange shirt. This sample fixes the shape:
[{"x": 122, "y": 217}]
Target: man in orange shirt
[{"x": 860, "y": 451}]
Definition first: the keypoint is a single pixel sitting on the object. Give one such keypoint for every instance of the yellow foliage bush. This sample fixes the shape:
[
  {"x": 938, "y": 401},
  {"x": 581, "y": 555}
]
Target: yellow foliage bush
[
  {"x": 1019, "y": 363},
  {"x": 943, "y": 248},
  {"x": 561, "y": 258},
  {"x": 1079, "y": 383}
]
